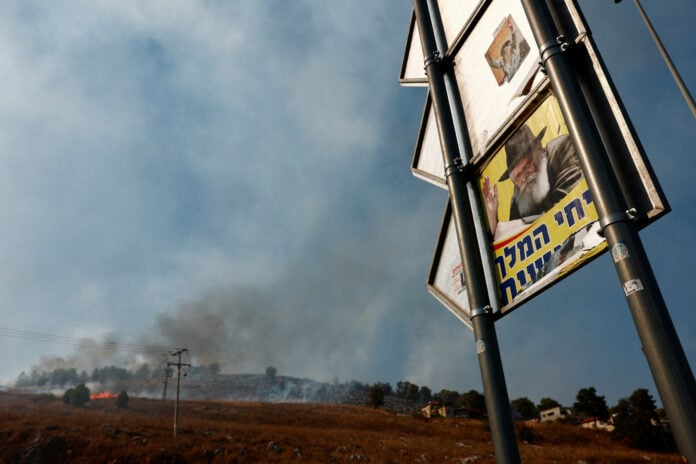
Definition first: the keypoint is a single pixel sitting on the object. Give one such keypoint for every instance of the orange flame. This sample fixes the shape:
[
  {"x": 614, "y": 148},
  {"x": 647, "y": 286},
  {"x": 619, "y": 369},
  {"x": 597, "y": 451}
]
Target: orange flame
[{"x": 102, "y": 395}]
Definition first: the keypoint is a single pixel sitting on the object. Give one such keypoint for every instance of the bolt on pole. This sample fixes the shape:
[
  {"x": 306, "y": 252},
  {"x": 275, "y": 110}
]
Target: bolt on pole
[
  {"x": 462, "y": 194},
  {"x": 665, "y": 355}
]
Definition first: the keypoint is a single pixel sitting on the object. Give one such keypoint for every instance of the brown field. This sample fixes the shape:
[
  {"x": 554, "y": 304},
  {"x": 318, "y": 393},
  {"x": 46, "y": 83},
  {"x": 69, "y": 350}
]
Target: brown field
[{"x": 41, "y": 429}]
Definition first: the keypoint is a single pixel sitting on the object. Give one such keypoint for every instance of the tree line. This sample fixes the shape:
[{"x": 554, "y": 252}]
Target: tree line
[
  {"x": 636, "y": 419},
  {"x": 70, "y": 376}
]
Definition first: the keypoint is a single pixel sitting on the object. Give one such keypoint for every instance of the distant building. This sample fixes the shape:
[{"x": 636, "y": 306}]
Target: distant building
[
  {"x": 554, "y": 414},
  {"x": 594, "y": 423},
  {"x": 437, "y": 409},
  {"x": 434, "y": 409}
]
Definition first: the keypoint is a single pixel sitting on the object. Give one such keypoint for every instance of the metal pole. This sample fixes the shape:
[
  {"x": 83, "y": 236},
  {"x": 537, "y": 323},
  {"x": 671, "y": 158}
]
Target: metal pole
[
  {"x": 668, "y": 364},
  {"x": 663, "y": 51},
  {"x": 459, "y": 186},
  {"x": 166, "y": 378}
]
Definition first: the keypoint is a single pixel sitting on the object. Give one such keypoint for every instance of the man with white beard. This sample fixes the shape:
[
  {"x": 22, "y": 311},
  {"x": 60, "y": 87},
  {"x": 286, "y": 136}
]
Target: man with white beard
[{"x": 542, "y": 176}]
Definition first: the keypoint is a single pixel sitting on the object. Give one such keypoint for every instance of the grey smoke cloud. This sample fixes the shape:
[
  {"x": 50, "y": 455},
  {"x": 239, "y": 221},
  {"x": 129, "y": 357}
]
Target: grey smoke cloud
[{"x": 232, "y": 177}]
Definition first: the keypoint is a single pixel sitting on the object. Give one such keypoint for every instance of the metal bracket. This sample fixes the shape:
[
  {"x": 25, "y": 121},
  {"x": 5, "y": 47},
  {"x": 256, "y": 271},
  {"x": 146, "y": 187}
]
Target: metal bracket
[
  {"x": 605, "y": 221},
  {"x": 551, "y": 48},
  {"x": 437, "y": 58},
  {"x": 457, "y": 166},
  {"x": 480, "y": 311},
  {"x": 433, "y": 58}
]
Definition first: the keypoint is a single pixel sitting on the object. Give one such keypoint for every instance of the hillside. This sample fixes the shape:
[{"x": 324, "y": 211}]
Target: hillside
[
  {"x": 41, "y": 429},
  {"x": 199, "y": 384}
]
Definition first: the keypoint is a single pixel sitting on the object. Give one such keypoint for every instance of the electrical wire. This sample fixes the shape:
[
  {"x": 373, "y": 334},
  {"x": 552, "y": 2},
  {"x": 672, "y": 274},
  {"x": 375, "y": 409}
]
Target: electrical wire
[{"x": 85, "y": 342}]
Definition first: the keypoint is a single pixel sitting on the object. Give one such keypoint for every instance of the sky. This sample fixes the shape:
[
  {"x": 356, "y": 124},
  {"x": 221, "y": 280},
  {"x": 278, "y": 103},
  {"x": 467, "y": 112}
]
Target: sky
[{"x": 234, "y": 178}]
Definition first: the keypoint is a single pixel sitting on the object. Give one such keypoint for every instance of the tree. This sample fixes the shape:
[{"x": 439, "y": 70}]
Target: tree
[
  {"x": 41, "y": 378},
  {"x": 407, "y": 390},
  {"x": 474, "y": 402},
  {"x": 547, "y": 403},
  {"x": 375, "y": 395},
  {"x": 589, "y": 404},
  {"x": 412, "y": 392},
  {"x": 59, "y": 376},
  {"x": 525, "y": 408},
  {"x": 122, "y": 400},
  {"x": 425, "y": 394},
  {"x": 77, "y": 396},
  {"x": 72, "y": 376},
  {"x": 401, "y": 388},
  {"x": 637, "y": 423},
  {"x": 23, "y": 380},
  {"x": 447, "y": 397},
  {"x": 271, "y": 373}
]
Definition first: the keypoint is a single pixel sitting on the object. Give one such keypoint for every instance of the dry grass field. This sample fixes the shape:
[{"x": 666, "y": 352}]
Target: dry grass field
[{"x": 41, "y": 429}]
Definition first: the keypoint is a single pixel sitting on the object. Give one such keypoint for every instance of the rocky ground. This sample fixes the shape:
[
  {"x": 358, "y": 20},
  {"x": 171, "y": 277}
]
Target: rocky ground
[{"x": 41, "y": 429}]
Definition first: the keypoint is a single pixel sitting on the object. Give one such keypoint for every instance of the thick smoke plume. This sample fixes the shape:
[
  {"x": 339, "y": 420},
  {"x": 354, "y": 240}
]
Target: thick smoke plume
[{"x": 340, "y": 319}]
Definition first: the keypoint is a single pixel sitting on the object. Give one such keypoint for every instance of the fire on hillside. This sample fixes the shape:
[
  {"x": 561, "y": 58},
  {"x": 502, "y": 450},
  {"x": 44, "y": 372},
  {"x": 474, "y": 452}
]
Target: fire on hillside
[{"x": 102, "y": 395}]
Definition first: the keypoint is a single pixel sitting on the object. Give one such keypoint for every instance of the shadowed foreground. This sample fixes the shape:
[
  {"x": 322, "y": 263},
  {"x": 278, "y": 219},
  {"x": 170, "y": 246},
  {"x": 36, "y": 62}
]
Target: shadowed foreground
[{"x": 41, "y": 429}]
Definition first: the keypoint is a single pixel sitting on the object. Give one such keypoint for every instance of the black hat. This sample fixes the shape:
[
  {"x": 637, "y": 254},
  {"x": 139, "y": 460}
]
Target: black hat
[{"x": 518, "y": 145}]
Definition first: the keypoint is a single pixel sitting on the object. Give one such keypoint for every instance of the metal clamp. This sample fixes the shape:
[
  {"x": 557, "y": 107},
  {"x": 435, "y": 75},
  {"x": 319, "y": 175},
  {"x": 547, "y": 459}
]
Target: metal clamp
[
  {"x": 605, "y": 221},
  {"x": 457, "y": 166},
  {"x": 551, "y": 48},
  {"x": 480, "y": 311},
  {"x": 433, "y": 58}
]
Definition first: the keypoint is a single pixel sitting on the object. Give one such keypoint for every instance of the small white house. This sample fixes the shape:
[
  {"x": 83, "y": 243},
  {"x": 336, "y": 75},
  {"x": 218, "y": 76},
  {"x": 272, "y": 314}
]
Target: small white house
[
  {"x": 554, "y": 414},
  {"x": 430, "y": 409},
  {"x": 595, "y": 424}
]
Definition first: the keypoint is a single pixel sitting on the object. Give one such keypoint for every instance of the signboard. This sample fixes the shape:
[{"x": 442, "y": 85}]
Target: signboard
[
  {"x": 413, "y": 65},
  {"x": 495, "y": 67},
  {"x": 427, "y": 158},
  {"x": 540, "y": 214},
  {"x": 637, "y": 180},
  {"x": 542, "y": 226},
  {"x": 446, "y": 278},
  {"x": 456, "y": 15}
]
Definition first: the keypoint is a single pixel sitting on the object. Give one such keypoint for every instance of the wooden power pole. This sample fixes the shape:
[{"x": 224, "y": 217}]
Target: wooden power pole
[{"x": 178, "y": 365}]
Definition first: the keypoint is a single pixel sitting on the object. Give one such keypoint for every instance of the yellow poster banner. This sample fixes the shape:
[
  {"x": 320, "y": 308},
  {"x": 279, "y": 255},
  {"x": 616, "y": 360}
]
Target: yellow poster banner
[{"x": 540, "y": 214}]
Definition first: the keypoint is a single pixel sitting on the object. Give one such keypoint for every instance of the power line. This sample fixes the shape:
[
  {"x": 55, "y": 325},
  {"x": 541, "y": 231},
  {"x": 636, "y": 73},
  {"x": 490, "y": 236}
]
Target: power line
[{"x": 85, "y": 342}]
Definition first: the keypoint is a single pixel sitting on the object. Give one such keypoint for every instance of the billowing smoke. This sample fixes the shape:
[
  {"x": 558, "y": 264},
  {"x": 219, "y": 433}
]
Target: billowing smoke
[
  {"x": 332, "y": 312},
  {"x": 227, "y": 326}
]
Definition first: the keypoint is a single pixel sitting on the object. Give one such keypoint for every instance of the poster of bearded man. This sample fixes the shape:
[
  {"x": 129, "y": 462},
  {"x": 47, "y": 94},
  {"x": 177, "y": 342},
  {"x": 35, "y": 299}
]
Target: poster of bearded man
[{"x": 539, "y": 211}]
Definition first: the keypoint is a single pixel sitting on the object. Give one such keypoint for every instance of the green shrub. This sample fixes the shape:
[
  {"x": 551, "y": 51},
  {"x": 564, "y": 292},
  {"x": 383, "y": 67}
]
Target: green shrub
[
  {"x": 77, "y": 396},
  {"x": 122, "y": 400}
]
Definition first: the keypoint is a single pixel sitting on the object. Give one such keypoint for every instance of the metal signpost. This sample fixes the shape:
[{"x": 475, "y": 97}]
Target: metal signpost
[
  {"x": 461, "y": 194},
  {"x": 487, "y": 108},
  {"x": 668, "y": 363}
]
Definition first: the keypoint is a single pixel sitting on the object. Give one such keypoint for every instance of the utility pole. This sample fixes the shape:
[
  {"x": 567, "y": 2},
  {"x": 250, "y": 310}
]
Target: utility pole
[
  {"x": 661, "y": 346},
  {"x": 166, "y": 375},
  {"x": 178, "y": 365}
]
